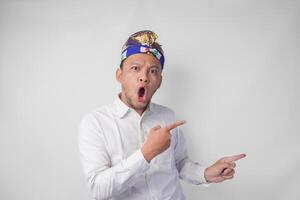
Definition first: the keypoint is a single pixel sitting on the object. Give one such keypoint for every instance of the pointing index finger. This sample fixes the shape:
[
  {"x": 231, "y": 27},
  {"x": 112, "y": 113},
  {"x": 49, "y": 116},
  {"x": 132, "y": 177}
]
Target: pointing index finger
[
  {"x": 175, "y": 124},
  {"x": 235, "y": 158}
]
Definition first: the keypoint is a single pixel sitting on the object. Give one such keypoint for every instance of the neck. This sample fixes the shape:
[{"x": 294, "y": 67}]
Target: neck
[{"x": 123, "y": 98}]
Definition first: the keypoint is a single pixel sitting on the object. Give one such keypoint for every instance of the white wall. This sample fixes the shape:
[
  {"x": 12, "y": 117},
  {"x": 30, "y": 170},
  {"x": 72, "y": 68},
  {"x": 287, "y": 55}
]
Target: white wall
[{"x": 232, "y": 71}]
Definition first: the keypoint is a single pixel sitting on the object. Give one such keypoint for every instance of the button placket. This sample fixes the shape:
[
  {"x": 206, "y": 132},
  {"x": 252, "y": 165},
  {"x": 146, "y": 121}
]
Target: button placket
[
  {"x": 142, "y": 137},
  {"x": 143, "y": 128}
]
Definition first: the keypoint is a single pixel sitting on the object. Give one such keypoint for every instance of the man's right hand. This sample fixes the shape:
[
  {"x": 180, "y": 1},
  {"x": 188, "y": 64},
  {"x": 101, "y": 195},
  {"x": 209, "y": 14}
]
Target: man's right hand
[{"x": 159, "y": 139}]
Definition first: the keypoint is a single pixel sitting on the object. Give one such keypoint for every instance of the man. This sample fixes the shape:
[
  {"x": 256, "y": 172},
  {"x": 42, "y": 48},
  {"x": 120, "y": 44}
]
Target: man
[{"x": 133, "y": 148}]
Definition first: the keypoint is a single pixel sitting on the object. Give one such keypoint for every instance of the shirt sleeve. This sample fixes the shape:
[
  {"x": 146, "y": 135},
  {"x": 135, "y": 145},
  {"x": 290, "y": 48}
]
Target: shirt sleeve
[
  {"x": 104, "y": 180},
  {"x": 189, "y": 171}
]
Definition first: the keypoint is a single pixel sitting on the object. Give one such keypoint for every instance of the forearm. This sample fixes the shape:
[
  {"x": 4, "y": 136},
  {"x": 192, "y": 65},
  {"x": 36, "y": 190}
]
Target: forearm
[
  {"x": 191, "y": 172},
  {"x": 112, "y": 181}
]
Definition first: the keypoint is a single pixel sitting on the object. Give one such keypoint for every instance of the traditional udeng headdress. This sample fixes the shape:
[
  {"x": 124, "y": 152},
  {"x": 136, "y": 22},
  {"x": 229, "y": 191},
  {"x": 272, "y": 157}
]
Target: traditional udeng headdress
[{"x": 143, "y": 42}]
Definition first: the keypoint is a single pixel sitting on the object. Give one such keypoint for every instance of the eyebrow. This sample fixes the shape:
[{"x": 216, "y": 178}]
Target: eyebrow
[
  {"x": 155, "y": 66},
  {"x": 136, "y": 63}
]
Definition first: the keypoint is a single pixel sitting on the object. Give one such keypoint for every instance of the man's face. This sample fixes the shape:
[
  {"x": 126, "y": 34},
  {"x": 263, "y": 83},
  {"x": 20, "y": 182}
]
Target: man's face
[{"x": 140, "y": 77}]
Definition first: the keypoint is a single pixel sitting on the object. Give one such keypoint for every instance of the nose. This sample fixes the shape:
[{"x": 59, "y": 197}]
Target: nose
[{"x": 143, "y": 79}]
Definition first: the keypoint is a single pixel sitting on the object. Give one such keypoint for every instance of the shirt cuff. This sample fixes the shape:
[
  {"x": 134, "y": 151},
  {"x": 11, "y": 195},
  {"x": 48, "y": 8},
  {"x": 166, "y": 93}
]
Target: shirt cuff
[
  {"x": 199, "y": 176},
  {"x": 203, "y": 180},
  {"x": 136, "y": 162}
]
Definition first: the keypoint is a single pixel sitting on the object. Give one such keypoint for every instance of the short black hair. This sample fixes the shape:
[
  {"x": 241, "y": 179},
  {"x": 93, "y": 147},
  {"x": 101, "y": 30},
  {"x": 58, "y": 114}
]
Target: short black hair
[{"x": 121, "y": 64}]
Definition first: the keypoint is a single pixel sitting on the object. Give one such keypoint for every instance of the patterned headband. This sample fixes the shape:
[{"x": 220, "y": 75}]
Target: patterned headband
[{"x": 143, "y": 42}]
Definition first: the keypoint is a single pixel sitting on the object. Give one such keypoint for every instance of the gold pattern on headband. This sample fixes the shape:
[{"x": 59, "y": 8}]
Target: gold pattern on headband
[{"x": 145, "y": 38}]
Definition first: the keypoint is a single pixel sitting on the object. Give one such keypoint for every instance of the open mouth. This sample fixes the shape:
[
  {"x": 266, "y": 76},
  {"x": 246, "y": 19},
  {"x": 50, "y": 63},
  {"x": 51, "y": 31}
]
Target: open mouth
[{"x": 142, "y": 94}]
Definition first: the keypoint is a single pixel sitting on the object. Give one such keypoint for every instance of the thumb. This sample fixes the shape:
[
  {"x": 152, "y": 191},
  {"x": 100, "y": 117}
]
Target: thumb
[
  {"x": 155, "y": 127},
  {"x": 223, "y": 166}
]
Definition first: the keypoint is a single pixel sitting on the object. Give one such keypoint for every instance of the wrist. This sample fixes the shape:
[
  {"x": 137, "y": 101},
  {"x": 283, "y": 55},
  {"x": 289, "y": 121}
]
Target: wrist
[
  {"x": 206, "y": 177},
  {"x": 148, "y": 155}
]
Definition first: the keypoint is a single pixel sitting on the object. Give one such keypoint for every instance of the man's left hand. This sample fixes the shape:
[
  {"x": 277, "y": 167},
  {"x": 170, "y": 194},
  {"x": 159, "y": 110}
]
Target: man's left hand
[{"x": 223, "y": 169}]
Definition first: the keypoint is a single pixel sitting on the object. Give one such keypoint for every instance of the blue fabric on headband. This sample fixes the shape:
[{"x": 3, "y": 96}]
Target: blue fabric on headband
[{"x": 135, "y": 49}]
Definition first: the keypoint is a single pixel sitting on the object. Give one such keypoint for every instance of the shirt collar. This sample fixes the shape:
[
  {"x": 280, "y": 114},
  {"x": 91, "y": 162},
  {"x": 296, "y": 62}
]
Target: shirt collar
[{"x": 122, "y": 108}]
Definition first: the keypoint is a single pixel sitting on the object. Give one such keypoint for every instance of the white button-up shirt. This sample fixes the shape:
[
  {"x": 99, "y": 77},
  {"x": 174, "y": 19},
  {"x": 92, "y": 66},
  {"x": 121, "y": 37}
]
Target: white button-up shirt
[{"x": 110, "y": 141}]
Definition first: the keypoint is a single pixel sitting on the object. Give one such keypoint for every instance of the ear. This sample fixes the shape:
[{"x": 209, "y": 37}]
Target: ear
[
  {"x": 119, "y": 75},
  {"x": 161, "y": 77}
]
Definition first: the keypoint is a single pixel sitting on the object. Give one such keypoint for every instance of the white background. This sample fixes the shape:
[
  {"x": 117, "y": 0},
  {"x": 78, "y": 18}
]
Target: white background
[{"x": 232, "y": 71}]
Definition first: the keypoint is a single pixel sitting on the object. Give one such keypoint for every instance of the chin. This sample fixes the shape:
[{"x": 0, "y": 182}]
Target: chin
[{"x": 141, "y": 105}]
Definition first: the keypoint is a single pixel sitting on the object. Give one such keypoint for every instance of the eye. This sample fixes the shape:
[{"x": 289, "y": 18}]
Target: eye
[
  {"x": 135, "y": 68},
  {"x": 154, "y": 71}
]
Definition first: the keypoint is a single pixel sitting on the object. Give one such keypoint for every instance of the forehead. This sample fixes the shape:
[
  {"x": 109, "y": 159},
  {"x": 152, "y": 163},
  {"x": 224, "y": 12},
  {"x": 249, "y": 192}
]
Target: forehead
[{"x": 142, "y": 59}]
